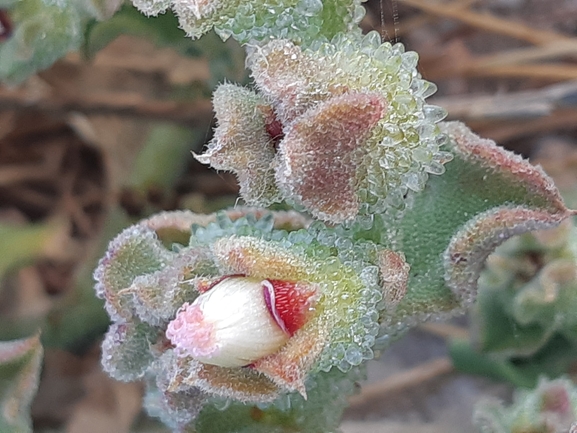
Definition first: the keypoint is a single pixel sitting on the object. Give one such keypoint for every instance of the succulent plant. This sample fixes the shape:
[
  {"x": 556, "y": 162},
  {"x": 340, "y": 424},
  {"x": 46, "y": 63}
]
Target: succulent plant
[
  {"x": 258, "y": 307},
  {"x": 252, "y": 320},
  {"x": 549, "y": 408},
  {"x": 356, "y": 116},
  {"x": 258, "y": 318}
]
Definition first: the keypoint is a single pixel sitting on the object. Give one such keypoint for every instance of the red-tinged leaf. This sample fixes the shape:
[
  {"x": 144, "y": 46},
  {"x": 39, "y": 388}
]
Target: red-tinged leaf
[
  {"x": 175, "y": 226},
  {"x": 134, "y": 252},
  {"x": 319, "y": 156},
  {"x": 20, "y": 362},
  {"x": 260, "y": 259},
  {"x": 286, "y": 75},
  {"x": 466, "y": 254},
  {"x": 243, "y": 384},
  {"x": 290, "y": 366}
]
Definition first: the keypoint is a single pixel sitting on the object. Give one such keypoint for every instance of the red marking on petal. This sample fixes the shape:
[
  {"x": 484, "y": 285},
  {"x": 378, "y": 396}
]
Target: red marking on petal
[
  {"x": 289, "y": 303},
  {"x": 5, "y": 26}
]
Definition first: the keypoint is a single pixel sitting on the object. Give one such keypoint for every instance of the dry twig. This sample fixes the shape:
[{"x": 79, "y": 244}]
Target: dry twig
[
  {"x": 519, "y": 105},
  {"x": 444, "y": 330},
  {"x": 406, "y": 379},
  {"x": 193, "y": 113},
  {"x": 490, "y": 23},
  {"x": 500, "y": 132}
]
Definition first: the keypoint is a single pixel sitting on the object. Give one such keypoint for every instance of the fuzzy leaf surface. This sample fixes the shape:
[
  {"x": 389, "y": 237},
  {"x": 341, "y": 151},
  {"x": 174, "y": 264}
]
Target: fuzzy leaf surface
[
  {"x": 20, "y": 362},
  {"x": 486, "y": 196}
]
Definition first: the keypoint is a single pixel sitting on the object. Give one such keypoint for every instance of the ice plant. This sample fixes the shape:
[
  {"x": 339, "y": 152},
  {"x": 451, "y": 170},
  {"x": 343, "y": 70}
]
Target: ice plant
[
  {"x": 247, "y": 21},
  {"x": 266, "y": 309},
  {"x": 252, "y": 320},
  {"x": 262, "y": 318},
  {"x": 549, "y": 408}
]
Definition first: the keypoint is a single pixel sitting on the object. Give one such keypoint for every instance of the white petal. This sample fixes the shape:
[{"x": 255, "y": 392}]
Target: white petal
[{"x": 229, "y": 325}]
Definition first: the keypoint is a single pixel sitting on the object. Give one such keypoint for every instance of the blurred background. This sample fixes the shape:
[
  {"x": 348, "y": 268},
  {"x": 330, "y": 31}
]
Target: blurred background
[{"x": 104, "y": 137}]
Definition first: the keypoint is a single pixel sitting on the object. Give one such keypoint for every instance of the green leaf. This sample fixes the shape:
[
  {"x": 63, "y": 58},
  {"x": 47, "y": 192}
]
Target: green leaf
[
  {"x": 553, "y": 360},
  {"x": 162, "y": 30},
  {"x": 320, "y": 413},
  {"x": 468, "y": 360},
  {"x": 163, "y": 157},
  {"x": 486, "y": 196},
  {"x": 499, "y": 331},
  {"x": 43, "y": 32},
  {"x": 21, "y": 244},
  {"x": 20, "y": 362}
]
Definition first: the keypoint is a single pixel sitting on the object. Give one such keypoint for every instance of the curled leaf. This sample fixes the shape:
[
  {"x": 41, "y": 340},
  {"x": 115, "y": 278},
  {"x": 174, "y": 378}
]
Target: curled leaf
[
  {"x": 486, "y": 196},
  {"x": 466, "y": 254}
]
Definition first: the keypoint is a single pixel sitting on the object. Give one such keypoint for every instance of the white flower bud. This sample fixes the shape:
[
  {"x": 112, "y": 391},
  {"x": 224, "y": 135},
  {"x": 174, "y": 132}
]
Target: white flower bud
[{"x": 230, "y": 325}]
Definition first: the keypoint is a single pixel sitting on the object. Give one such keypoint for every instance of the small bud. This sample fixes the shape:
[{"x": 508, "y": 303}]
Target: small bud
[{"x": 239, "y": 321}]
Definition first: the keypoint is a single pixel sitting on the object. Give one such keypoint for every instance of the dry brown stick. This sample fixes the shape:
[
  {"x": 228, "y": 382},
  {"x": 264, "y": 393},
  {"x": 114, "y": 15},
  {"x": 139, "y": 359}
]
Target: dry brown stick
[
  {"x": 550, "y": 72},
  {"x": 553, "y": 72},
  {"x": 444, "y": 330},
  {"x": 10, "y": 175},
  {"x": 555, "y": 50},
  {"x": 527, "y": 104},
  {"x": 515, "y": 62},
  {"x": 559, "y": 119},
  {"x": 406, "y": 379},
  {"x": 29, "y": 196},
  {"x": 410, "y": 24},
  {"x": 47, "y": 168},
  {"x": 490, "y": 23},
  {"x": 130, "y": 105}
]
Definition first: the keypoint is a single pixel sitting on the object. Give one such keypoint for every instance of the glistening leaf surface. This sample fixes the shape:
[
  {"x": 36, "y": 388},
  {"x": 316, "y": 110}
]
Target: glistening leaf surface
[{"x": 486, "y": 196}]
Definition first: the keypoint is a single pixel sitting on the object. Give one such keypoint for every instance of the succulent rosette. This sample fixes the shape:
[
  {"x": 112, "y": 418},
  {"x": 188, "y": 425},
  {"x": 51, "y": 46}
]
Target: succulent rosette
[
  {"x": 247, "y": 310},
  {"x": 339, "y": 129}
]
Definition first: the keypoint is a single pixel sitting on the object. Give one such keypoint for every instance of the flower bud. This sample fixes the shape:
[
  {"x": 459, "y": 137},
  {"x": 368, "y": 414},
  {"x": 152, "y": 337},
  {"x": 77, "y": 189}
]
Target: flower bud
[{"x": 238, "y": 321}]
